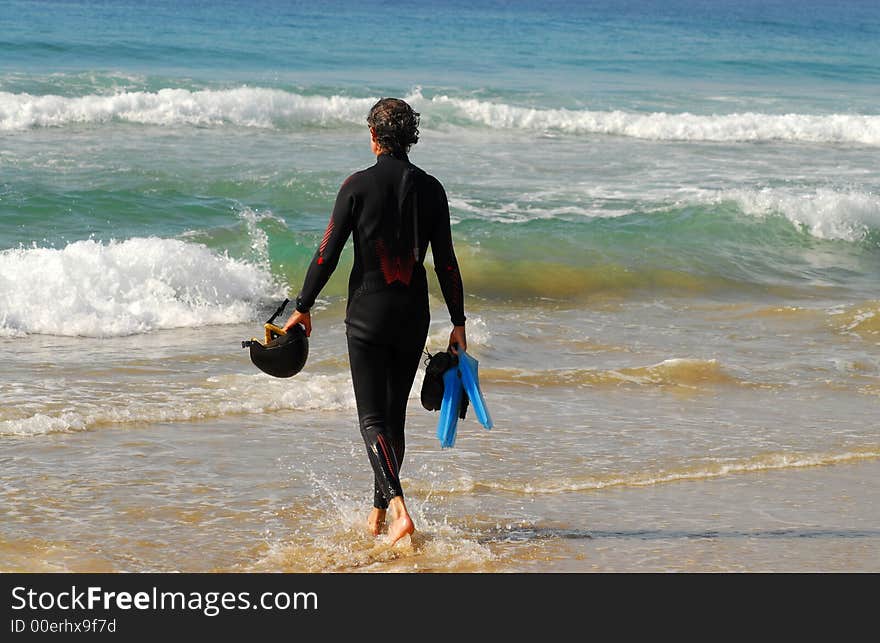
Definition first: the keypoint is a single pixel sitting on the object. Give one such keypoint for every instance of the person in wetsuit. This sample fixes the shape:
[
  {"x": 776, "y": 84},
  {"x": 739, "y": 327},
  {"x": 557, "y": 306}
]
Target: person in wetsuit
[{"x": 393, "y": 210}]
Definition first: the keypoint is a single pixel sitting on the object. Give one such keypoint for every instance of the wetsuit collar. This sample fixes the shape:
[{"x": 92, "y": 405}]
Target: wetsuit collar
[{"x": 399, "y": 156}]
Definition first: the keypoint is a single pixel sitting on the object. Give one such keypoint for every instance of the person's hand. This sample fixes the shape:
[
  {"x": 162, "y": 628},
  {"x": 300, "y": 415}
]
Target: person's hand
[
  {"x": 457, "y": 339},
  {"x": 299, "y": 318}
]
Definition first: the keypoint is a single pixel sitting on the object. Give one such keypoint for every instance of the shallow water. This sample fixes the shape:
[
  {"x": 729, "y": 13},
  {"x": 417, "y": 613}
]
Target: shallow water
[
  {"x": 633, "y": 454},
  {"x": 176, "y": 498}
]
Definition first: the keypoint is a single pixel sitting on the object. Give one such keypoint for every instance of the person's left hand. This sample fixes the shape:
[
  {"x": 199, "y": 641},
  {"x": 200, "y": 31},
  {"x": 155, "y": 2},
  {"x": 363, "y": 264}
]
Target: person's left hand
[
  {"x": 299, "y": 318},
  {"x": 457, "y": 339}
]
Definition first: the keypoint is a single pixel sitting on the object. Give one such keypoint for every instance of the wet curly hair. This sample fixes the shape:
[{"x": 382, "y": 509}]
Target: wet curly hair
[{"x": 395, "y": 123}]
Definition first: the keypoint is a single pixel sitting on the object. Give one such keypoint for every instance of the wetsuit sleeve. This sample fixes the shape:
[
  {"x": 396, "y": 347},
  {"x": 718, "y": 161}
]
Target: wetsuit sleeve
[
  {"x": 445, "y": 262},
  {"x": 327, "y": 255}
]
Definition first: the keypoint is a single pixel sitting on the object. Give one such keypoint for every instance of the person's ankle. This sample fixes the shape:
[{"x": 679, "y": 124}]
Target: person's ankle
[{"x": 397, "y": 507}]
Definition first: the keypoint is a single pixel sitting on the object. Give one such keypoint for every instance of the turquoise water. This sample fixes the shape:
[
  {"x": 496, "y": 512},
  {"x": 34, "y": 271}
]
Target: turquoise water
[
  {"x": 121, "y": 122},
  {"x": 668, "y": 220}
]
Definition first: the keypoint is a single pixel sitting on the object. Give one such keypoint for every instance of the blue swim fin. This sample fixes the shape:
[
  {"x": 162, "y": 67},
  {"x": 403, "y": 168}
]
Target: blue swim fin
[
  {"x": 452, "y": 392},
  {"x": 469, "y": 369}
]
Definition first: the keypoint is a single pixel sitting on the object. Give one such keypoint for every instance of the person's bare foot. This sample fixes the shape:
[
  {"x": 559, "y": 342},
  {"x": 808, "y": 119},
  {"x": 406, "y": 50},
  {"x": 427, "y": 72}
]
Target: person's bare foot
[
  {"x": 402, "y": 525},
  {"x": 376, "y": 521}
]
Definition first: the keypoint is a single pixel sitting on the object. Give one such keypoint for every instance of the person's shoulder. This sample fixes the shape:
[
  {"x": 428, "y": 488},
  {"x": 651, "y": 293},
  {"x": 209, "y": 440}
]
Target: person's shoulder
[
  {"x": 354, "y": 179},
  {"x": 431, "y": 182}
]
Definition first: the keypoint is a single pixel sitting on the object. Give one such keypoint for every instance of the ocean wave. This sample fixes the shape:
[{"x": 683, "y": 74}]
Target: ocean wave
[
  {"x": 662, "y": 126},
  {"x": 823, "y": 213},
  {"x": 270, "y": 108},
  {"x": 703, "y": 471},
  {"x": 243, "y": 106},
  {"x": 96, "y": 289},
  {"x": 682, "y": 372},
  {"x": 689, "y": 242},
  {"x": 494, "y": 275},
  {"x": 862, "y": 319},
  {"x": 215, "y": 397}
]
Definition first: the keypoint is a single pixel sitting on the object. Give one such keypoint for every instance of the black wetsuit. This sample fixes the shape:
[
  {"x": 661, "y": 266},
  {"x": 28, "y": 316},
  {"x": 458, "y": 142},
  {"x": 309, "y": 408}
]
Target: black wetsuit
[{"x": 394, "y": 210}]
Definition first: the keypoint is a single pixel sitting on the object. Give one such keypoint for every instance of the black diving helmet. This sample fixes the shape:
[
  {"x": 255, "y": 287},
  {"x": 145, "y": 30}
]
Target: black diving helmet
[{"x": 283, "y": 354}]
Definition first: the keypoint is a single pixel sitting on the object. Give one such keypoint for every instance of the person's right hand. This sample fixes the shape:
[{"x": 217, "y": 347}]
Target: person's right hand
[
  {"x": 299, "y": 318},
  {"x": 457, "y": 339}
]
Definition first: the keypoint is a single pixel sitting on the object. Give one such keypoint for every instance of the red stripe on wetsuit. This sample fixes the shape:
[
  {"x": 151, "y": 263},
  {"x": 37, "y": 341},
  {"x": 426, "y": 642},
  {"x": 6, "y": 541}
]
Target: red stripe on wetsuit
[
  {"x": 394, "y": 268},
  {"x": 389, "y": 457},
  {"x": 325, "y": 241}
]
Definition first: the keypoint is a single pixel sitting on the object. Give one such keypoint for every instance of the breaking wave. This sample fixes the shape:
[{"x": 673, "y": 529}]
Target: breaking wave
[{"x": 271, "y": 108}]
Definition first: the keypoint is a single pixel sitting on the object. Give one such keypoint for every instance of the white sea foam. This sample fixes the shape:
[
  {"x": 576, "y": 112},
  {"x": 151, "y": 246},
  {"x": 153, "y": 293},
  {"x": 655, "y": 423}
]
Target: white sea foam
[
  {"x": 263, "y": 107},
  {"x": 824, "y": 213},
  {"x": 8, "y": 332},
  {"x": 519, "y": 211},
  {"x": 749, "y": 126},
  {"x": 259, "y": 238},
  {"x": 89, "y": 407},
  {"x": 94, "y": 289},
  {"x": 708, "y": 471},
  {"x": 243, "y": 106},
  {"x": 215, "y": 397}
]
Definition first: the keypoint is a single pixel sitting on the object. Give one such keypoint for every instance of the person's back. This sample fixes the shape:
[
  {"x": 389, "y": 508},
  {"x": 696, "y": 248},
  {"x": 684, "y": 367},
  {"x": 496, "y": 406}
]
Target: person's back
[{"x": 397, "y": 210}]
